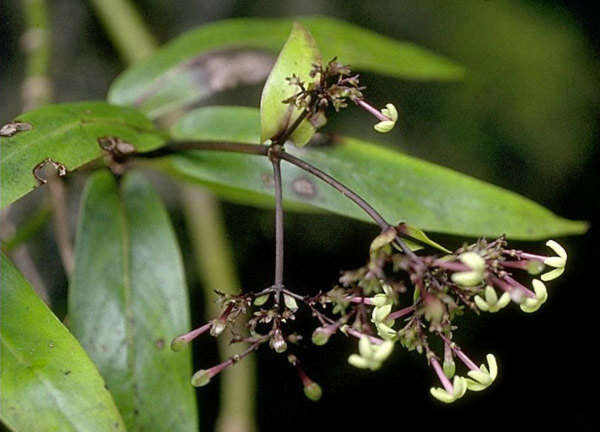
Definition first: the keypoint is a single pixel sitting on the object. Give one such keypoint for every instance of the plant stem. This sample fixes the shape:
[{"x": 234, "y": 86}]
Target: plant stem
[
  {"x": 56, "y": 188},
  {"x": 36, "y": 89},
  {"x": 126, "y": 29},
  {"x": 344, "y": 190},
  {"x": 278, "y": 283}
]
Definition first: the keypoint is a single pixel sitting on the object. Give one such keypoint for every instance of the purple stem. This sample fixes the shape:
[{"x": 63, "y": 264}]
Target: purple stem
[
  {"x": 400, "y": 313},
  {"x": 441, "y": 375},
  {"x": 466, "y": 360},
  {"x": 358, "y": 335},
  {"x": 454, "y": 266},
  {"x": 190, "y": 336},
  {"x": 521, "y": 265},
  {"x": 373, "y": 110},
  {"x": 516, "y": 284},
  {"x": 532, "y": 256},
  {"x": 360, "y": 300}
]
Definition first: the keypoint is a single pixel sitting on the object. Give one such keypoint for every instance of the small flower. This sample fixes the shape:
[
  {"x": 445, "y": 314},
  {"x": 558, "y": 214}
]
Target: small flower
[
  {"x": 541, "y": 295},
  {"x": 491, "y": 302},
  {"x": 483, "y": 377},
  {"x": 387, "y": 116},
  {"x": 371, "y": 356},
  {"x": 451, "y": 391},
  {"x": 391, "y": 113},
  {"x": 558, "y": 262},
  {"x": 458, "y": 390},
  {"x": 475, "y": 275},
  {"x": 277, "y": 342},
  {"x": 321, "y": 335}
]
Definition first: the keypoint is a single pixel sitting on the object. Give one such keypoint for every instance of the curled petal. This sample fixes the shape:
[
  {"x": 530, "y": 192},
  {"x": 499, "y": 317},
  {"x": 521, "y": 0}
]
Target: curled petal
[
  {"x": 540, "y": 290},
  {"x": 386, "y": 332},
  {"x": 379, "y": 300},
  {"x": 358, "y": 361},
  {"x": 384, "y": 126},
  {"x": 383, "y": 351},
  {"x": 381, "y": 313},
  {"x": 552, "y": 274},
  {"x": 474, "y": 385},
  {"x": 481, "y": 377},
  {"x": 530, "y": 305},
  {"x": 493, "y": 365},
  {"x": 481, "y": 304},
  {"x": 504, "y": 300},
  {"x": 558, "y": 249},
  {"x": 460, "y": 386},
  {"x": 441, "y": 395},
  {"x": 365, "y": 347},
  {"x": 390, "y": 111},
  {"x": 490, "y": 295}
]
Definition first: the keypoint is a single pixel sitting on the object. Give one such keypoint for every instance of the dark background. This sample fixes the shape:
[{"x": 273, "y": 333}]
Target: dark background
[{"x": 525, "y": 119}]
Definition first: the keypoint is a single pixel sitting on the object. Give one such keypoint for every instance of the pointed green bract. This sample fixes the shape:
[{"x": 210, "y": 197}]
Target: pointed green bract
[
  {"x": 68, "y": 135},
  {"x": 296, "y": 59},
  {"x": 47, "y": 381},
  {"x": 400, "y": 187},
  {"x": 128, "y": 300}
]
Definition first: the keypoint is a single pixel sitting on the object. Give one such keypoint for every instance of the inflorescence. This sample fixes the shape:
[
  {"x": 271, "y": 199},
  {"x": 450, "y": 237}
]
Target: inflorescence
[{"x": 397, "y": 298}]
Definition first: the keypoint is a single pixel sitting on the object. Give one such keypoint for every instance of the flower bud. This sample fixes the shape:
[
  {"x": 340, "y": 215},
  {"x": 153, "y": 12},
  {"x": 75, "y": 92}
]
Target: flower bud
[
  {"x": 313, "y": 391},
  {"x": 179, "y": 343},
  {"x": 201, "y": 378},
  {"x": 320, "y": 336},
  {"x": 278, "y": 343}
]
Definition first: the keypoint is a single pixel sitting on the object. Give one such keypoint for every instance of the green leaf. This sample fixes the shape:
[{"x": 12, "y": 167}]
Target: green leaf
[
  {"x": 47, "y": 381},
  {"x": 128, "y": 299},
  {"x": 296, "y": 58},
  {"x": 68, "y": 135},
  {"x": 400, "y": 187},
  {"x": 227, "y": 53}
]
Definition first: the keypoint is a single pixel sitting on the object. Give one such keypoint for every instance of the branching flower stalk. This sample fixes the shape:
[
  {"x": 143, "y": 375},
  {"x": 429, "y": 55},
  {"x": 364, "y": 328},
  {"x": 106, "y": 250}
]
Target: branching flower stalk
[{"x": 399, "y": 297}]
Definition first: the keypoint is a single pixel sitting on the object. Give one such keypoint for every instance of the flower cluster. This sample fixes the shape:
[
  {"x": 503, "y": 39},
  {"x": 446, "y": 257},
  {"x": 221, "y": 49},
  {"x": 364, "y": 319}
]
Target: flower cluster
[
  {"x": 398, "y": 298},
  {"x": 334, "y": 86}
]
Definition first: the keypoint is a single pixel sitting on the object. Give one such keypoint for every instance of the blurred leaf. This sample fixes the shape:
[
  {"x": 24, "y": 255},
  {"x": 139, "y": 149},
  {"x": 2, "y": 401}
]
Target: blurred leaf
[
  {"x": 47, "y": 382},
  {"x": 296, "y": 58},
  {"x": 401, "y": 187},
  {"x": 128, "y": 299},
  {"x": 226, "y": 53},
  {"x": 419, "y": 235},
  {"x": 66, "y": 134}
]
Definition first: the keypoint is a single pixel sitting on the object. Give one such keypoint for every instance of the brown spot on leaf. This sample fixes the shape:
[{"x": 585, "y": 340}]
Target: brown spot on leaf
[
  {"x": 159, "y": 343},
  {"x": 304, "y": 187},
  {"x": 39, "y": 170},
  {"x": 321, "y": 139},
  {"x": 217, "y": 71},
  {"x": 9, "y": 129},
  {"x": 267, "y": 180}
]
